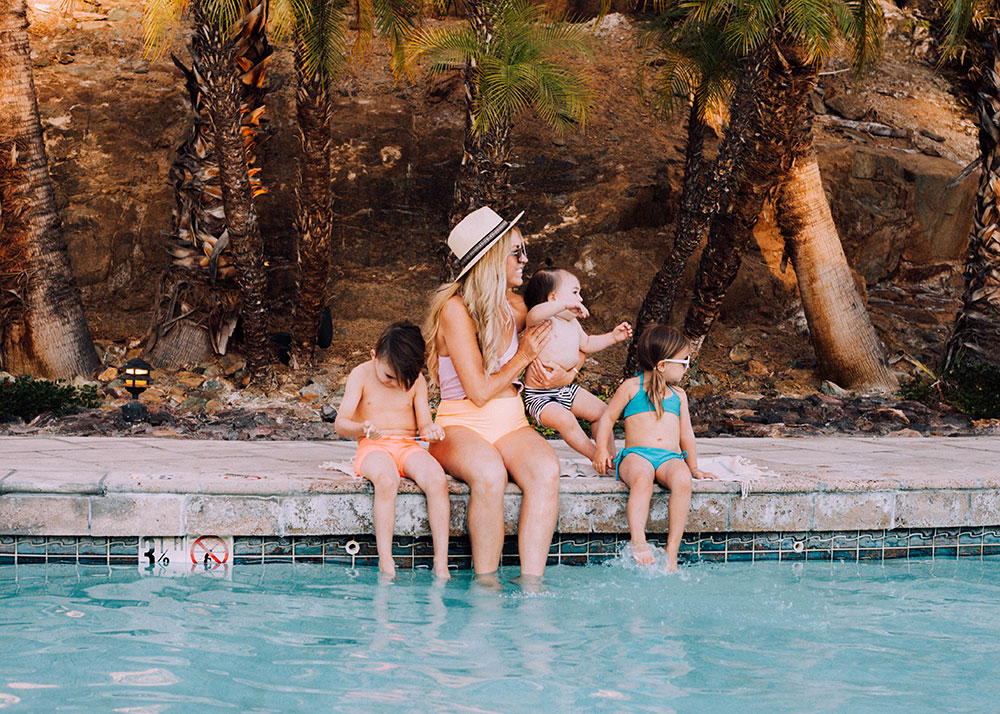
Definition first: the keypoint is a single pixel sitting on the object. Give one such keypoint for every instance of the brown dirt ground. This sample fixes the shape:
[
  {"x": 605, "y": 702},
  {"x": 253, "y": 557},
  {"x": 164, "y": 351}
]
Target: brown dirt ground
[{"x": 599, "y": 200}]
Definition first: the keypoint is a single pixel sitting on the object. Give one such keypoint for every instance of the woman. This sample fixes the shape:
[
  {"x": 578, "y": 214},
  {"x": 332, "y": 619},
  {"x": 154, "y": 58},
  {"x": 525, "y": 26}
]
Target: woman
[{"x": 474, "y": 355}]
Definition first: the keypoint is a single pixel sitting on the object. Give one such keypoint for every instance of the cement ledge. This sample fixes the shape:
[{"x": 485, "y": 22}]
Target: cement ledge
[{"x": 78, "y": 486}]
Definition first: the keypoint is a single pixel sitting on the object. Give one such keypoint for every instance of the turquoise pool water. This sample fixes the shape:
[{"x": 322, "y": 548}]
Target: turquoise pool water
[{"x": 903, "y": 636}]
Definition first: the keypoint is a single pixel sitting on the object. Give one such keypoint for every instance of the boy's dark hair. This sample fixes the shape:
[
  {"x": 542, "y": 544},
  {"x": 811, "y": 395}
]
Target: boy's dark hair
[
  {"x": 542, "y": 282},
  {"x": 402, "y": 346}
]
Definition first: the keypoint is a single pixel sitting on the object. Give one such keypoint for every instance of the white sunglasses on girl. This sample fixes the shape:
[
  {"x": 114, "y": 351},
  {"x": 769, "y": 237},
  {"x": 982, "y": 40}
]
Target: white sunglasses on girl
[{"x": 686, "y": 361}]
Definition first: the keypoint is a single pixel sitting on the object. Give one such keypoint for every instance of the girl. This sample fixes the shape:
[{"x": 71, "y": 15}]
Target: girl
[{"x": 659, "y": 440}]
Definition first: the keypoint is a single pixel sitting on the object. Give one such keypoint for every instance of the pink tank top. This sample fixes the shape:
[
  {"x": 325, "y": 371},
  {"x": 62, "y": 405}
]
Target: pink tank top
[{"x": 451, "y": 387}]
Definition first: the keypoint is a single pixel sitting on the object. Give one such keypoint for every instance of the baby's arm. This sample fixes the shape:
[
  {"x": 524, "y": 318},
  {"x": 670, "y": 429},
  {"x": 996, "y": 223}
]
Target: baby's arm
[
  {"x": 425, "y": 424},
  {"x": 687, "y": 438},
  {"x": 346, "y": 423},
  {"x": 595, "y": 343},
  {"x": 545, "y": 310},
  {"x": 605, "y": 424}
]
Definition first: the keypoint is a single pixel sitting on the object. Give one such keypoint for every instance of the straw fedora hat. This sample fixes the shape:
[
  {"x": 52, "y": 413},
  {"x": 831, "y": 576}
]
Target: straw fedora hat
[{"x": 477, "y": 233}]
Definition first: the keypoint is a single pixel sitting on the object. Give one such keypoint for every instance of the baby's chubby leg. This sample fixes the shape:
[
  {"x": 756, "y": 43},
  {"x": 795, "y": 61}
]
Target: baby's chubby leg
[
  {"x": 676, "y": 476},
  {"x": 379, "y": 468},
  {"x": 587, "y": 406},
  {"x": 555, "y": 416},
  {"x": 427, "y": 473}
]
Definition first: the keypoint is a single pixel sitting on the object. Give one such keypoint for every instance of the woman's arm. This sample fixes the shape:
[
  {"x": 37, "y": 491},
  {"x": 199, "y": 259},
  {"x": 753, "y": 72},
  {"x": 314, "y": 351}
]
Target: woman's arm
[
  {"x": 687, "y": 438},
  {"x": 345, "y": 424},
  {"x": 605, "y": 424},
  {"x": 459, "y": 333},
  {"x": 422, "y": 411}
]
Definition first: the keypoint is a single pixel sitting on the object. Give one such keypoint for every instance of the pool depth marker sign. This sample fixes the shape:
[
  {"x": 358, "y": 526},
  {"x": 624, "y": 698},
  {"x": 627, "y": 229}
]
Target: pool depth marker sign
[{"x": 179, "y": 555}]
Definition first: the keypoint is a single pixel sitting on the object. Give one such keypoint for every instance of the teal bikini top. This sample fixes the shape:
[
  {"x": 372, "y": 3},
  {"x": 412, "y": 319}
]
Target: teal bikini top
[{"x": 640, "y": 403}]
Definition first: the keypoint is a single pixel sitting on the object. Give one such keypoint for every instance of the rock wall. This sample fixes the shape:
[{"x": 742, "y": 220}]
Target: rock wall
[{"x": 602, "y": 199}]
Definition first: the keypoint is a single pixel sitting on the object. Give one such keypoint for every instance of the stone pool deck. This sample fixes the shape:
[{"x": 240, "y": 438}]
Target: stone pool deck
[{"x": 106, "y": 487}]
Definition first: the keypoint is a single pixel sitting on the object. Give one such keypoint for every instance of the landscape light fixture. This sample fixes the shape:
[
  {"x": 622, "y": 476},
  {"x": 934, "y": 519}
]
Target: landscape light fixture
[{"x": 135, "y": 381}]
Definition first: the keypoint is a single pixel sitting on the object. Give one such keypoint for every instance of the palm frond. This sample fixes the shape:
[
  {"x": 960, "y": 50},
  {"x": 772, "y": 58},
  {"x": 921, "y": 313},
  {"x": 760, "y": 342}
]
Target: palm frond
[
  {"x": 959, "y": 18},
  {"x": 444, "y": 49},
  {"x": 160, "y": 19},
  {"x": 393, "y": 21},
  {"x": 225, "y": 14},
  {"x": 749, "y": 26},
  {"x": 321, "y": 36},
  {"x": 281, "y": 23},
  {"x": 811, "y": 25},
  {"x": 866, "y": 41}
]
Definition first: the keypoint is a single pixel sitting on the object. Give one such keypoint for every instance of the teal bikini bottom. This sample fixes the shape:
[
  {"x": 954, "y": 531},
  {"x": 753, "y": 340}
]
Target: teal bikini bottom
[{"x": 654, "y": 456}]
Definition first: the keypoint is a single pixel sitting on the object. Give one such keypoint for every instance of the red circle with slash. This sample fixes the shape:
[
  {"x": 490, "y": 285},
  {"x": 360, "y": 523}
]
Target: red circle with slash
[{"x": 212, "y": 546}]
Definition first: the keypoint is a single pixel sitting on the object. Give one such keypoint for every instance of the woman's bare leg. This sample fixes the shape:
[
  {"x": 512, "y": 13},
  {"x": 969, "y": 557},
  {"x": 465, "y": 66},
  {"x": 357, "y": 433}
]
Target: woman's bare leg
[
  {"x": 429, "y": 476},
  {"x": 470, "y": 458},
  {"x": 676, "y": 476},
  {"x": 534, "y": 466},
  {"x": 379, "y": 468},
  {"x": 637, "y": 473}
]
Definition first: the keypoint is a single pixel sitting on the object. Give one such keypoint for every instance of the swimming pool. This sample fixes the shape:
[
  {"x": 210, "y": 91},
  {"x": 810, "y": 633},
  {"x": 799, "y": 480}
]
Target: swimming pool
[{"x": 898, "y": 636}]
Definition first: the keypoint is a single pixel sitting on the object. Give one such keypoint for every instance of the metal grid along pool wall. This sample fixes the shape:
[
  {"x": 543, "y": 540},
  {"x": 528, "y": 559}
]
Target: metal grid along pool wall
[{"x": 568, "y": 549}]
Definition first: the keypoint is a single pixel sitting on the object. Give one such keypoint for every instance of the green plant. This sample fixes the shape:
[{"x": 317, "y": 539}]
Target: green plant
[
  {"x": 970, "y": 386},
  {"x": 26, "y": 398}
]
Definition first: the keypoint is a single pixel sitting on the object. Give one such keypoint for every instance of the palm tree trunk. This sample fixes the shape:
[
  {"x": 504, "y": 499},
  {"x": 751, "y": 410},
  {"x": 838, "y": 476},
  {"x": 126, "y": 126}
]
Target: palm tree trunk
[
  {"x": 691, "y": 222},
  {"x": 766, "y": 129},
  {"x": 484, "y": 176},
  {"x": 849, "y": 350},
  {"x": 223, "y": 92},
  {"x": 315, "y": 211},
  {"x": 199, "y": 303},
  {"x": 976, "y": 333},
  {"x": 48, "y": 336}
]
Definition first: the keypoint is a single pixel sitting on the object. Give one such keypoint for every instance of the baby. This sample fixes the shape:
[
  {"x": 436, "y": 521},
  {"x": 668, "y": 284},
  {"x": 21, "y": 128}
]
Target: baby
[
  {"x": 384, "y": 407},
  {"x": 554, "y": 294}
]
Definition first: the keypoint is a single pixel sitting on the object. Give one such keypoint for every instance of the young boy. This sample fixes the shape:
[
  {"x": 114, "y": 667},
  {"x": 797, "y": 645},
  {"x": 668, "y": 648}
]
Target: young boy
[
  {"x": 554, "y": 294},
  {"x": 384, "y": 407}
]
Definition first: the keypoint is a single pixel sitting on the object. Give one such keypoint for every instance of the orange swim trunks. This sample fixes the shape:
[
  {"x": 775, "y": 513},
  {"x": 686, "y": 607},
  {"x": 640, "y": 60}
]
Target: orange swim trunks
[{"x": 399, "y": 448}]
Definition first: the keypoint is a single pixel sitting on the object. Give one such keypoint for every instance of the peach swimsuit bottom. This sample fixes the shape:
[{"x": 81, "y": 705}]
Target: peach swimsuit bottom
[
  {"x": 492, "y": 421},
  {"x": 399, "y": 448}
]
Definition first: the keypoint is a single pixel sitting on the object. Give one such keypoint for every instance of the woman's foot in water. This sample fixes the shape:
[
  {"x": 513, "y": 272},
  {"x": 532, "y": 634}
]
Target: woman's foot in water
[
  {"x": 387, "y": 567},
  {"x": 441, "y": 569},
  {"x": 642, "y": 553}
]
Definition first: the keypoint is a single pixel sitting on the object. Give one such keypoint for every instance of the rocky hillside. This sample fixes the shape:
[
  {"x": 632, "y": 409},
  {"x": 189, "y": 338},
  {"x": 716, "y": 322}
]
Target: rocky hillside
[{"x": 601, "y": 201}]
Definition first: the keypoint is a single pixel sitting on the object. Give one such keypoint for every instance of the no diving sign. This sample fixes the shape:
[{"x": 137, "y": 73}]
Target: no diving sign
[{"x": 186, "y": 555}]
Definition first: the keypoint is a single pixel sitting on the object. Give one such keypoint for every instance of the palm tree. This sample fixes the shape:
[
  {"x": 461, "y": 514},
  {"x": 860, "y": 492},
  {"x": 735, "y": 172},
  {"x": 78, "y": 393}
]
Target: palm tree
[
  {"x": 512, "y": 60},
  {"x": 42, "y": 325},
  {"x": 847, "y": 347},
  {"x": 215, "y": 183},
  {"x": 321, "y": 36},
  {"x": 688, "y": 62},
  {"x": 786, "y": 44},
  {"x": 976, "y": 333}
]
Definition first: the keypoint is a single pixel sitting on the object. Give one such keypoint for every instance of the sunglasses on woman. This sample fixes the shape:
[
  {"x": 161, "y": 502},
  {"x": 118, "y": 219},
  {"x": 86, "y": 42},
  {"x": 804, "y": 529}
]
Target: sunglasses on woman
[
  {"x": 519, "y": 253},
  {"x": 686, "y": 361}
]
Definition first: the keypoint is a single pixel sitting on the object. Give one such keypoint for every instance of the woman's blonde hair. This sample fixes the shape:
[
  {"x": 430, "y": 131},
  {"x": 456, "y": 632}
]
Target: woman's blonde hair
[
  {"x": 658, "y": 342},
  {"x": 484, "y": 291}
]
